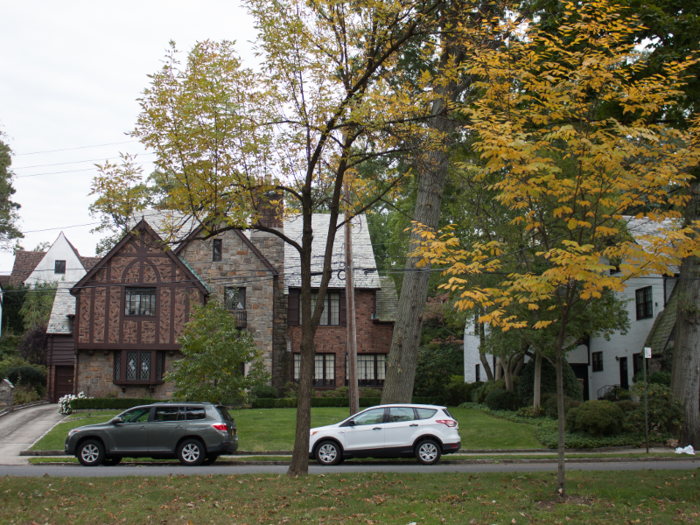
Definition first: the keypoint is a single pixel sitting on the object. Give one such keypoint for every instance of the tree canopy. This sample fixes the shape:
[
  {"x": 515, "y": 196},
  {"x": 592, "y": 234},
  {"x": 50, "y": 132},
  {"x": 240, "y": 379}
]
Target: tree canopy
[{"x": 9, "y": 209}]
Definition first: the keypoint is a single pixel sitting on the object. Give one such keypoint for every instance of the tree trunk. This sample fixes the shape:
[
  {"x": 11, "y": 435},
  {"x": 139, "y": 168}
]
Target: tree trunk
[
  {"x": 403, "y": 355},
  {"x": 561, "y": 465},
  {"x": 537, "y": 387},
  {"x": 685, "y": 377},
  {"x": 499, "y": 369}
]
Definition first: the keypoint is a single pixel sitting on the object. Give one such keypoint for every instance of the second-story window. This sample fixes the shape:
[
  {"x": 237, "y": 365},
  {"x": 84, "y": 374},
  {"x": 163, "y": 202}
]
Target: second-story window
[
  {"x": 59, "y": 267},
  {"x": 331, "y": 309},
  {"x": 140, "y": 301},
  {"x": 218, "y": 250},
  {"x": 643, "y": 302},
  {"x": 234, "y": 298}
]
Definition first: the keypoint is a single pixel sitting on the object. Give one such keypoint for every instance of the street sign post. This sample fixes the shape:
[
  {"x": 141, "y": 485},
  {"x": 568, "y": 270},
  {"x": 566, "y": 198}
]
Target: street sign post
[{"x": 647, "y": 355}]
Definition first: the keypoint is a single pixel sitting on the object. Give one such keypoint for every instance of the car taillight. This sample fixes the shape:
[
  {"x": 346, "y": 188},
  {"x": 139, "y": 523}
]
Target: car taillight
[
  {"x": 449, "y": 422},
  {"x": 220, "y": 427}
]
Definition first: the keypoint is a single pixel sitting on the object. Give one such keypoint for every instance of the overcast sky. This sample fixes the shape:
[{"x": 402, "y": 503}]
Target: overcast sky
[{"x": 70, "y": 74}]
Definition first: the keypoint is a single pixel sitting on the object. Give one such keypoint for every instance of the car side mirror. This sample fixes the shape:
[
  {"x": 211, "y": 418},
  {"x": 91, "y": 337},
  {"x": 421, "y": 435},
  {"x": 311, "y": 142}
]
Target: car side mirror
[
  {"x": 116, "y": 420},
  {"x": 351, "y": 423}
]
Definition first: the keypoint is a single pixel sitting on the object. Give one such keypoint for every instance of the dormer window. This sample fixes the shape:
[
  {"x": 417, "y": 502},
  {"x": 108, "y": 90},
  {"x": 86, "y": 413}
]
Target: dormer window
[
  {"x": 59, "y": 267},
  {"x": 218, "y": 249}
]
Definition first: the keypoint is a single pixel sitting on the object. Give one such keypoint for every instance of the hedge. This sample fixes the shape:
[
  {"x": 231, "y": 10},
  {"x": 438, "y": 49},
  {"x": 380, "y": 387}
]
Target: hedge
[
  {"x": 110, "y": 403},
  {"x": 331, "y": 402},
  {"x": 549, "y": 437}
]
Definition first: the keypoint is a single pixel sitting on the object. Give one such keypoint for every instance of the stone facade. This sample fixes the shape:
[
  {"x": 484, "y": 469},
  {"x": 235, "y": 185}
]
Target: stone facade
[
  {"x": 95, "y": 373},
  {"x": 249, "y": 261}
]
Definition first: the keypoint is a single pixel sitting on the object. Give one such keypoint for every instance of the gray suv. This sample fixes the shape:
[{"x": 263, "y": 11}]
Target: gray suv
[{"x": 195, "y": 433}]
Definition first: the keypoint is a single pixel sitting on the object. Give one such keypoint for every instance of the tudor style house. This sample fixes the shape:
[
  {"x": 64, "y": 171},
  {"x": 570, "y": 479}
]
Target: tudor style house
[{"x": 128, "y": 311}]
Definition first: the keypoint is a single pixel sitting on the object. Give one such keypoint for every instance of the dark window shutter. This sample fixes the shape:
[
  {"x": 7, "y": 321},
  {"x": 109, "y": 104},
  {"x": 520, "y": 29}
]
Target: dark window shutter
[
  {"x": 293, "y": 308},
  {"x": 343, "y": 308}
]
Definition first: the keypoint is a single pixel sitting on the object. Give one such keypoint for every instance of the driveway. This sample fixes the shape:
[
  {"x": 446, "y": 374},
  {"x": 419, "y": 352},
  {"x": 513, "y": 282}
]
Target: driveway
[{"x": 21, "y": 429}]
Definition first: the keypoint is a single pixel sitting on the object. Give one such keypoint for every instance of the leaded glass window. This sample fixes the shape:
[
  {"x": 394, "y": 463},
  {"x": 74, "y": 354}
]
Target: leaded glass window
[
  {"x": 118, "y": 365},
  {"x": 145, "y": 368},
  {"x": 131, "y": 366},
  {"x": 140, "y": 301}
]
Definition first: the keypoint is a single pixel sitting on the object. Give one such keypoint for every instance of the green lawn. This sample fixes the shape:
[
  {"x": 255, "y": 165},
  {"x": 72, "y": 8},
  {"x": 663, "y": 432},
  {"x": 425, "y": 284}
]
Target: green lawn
[
  {"x": 658, "y": 497},
  {"x": 273, "y": 429}
]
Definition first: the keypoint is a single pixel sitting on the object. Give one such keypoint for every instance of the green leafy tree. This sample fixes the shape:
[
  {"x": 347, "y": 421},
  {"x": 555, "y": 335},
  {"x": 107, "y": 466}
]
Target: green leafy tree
[
  {"x": 8, "y": 208},
  {"x": 38, "y": 302},
  {"x": 215, "y": 354}
]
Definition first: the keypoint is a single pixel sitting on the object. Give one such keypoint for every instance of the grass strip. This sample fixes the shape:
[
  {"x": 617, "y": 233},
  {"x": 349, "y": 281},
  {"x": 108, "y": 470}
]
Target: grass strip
[
  {"x": 273, "y": 428},
  {"x": 659, "y": 497}
]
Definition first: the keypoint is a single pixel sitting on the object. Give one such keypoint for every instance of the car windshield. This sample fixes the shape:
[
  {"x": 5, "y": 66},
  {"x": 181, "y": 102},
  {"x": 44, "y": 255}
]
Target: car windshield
[{"x": 138, "y": 415}]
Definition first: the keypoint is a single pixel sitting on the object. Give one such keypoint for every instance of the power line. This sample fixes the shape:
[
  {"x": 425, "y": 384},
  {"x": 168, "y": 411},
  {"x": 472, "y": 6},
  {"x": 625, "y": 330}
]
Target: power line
[
  {"x": 73, "y": 149},
  {"x": 67, "y": 163},
  {"x": 63, "y": 228}
]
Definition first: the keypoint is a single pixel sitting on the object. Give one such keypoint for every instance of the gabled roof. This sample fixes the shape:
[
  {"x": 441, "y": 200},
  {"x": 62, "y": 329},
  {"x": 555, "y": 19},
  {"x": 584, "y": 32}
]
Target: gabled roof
[
  {"x": 365, "y": 267},
  {"x": 144, "y": 227},
  {"x": 25, "y": 263}
]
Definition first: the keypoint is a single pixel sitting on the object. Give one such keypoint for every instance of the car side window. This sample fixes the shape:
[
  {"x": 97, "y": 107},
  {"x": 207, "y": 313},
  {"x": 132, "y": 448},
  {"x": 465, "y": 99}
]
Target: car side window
[
  {"x": 425, "y": 413},
  {"x": 195, "y": 413},
  {"x": 398, "y": 414},
  {"x": 166, "y": 414},
  {"x": 138, "y": 415},
  {"x": 371, "y": 417}
]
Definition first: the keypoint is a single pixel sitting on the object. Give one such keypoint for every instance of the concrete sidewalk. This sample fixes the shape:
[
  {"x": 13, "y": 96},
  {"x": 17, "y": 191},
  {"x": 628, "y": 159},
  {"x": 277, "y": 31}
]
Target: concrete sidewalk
[{"x": 19, "y": 430}]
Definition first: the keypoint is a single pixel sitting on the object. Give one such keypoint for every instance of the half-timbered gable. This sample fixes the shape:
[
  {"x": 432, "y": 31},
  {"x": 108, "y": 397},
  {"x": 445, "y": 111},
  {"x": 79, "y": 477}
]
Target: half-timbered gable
[{"x": 130, "y": 310}]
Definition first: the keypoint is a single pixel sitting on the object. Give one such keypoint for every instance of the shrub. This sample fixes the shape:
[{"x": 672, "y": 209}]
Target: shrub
[
  {"x": 457, "y": 393},
  {"x": 627, "y": 405},
  {"x": 660, "y": 377},
  {"x": 665, "y": 412},
  {"x": 110, "y": 403},
  {"x": 529, "y": 411},
  {"x": 370, "y": 392},
  {"x": 598, "y": 418},
  {"x": 27, "y": 375},
  {"x": 264, "y": 392},
  {"x": 550, "y": 409},
  {"x": 435, "y": 367},
  {"x": 290, "y": 390},
  {"x": 572, "y": 388},
  {"x": 503, "y": 400},
  {"x": 479, "y": 393},
  {"x": 25, "y": 394}
]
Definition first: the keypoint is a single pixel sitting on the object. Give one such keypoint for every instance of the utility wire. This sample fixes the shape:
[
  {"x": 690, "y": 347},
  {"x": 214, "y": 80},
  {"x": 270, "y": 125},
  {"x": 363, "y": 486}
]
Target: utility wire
[{"x": 73, "y": 149}]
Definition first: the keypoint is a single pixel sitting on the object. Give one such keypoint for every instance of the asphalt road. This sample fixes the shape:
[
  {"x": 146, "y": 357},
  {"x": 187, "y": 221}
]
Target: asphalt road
[
  {"x": 103, "y": 472},
  {"x": 21, "y": 429}
]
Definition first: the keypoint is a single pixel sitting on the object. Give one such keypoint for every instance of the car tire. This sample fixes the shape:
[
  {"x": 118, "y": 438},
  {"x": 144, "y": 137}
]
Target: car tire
[
  {"x": 110, "y": 462},
  {"x": 328, "y": 453},
  {"x": 191, "y": 452},
  {"x": 210, "y": 459},
  {"x": 91, "y": 453},
  {"x": 428, "y": 452}
]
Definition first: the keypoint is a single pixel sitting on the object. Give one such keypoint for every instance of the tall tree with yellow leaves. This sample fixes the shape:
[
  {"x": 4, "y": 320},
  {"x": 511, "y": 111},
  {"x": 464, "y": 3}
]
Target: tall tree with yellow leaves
[{"x": 570, "y": 173}]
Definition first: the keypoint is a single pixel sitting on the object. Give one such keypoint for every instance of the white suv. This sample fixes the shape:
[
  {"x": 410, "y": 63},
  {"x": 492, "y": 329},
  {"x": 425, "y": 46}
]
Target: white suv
[{"x": 388, "y": 431}]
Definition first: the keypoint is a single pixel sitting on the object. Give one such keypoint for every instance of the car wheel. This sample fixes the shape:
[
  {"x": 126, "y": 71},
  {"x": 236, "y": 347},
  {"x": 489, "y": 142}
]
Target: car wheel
[
  {"x": 210, "y": 459},
  {"x": 428, "y": 452},
  {"x": 111, "y": 461},
  {"x": 91, "y": 453},
  {"x": 328, "y": 453},
  {"x": 191, "y": 452}
]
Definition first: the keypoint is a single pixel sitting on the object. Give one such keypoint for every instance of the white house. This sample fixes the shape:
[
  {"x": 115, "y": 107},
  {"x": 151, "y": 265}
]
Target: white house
[
  {"x": 61, "y": 262},
  {"x": 600, "y": 364}
]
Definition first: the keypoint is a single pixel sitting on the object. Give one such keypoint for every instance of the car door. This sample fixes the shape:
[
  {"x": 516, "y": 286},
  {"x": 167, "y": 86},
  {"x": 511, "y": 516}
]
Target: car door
[
  {"x": 166, "y": 429},
  {"x": 367, "y": 433},
  {"x": 400, "y": 429},
  {"x": 131, "y": 435}
]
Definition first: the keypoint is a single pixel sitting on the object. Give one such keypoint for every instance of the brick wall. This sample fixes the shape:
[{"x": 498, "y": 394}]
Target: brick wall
[{"x": 372, "y": 338}]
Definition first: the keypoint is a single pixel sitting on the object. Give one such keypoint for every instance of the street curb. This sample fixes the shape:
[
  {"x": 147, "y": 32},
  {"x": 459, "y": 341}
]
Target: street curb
[
  {"x": 9, "y": 410},
  {"x": 235, "y": 463}
]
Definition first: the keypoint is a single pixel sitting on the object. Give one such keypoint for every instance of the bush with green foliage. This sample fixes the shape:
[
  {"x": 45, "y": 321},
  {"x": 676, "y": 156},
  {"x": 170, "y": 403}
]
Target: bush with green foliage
[
  {"x": 370, "y": 392},
  {"x": 435, "y": 367},
  {"x": 264, "y": 392},
  {"x": 503, "y": 400},
  {"x": 13, "y": 361},
  {"x": 109, "y": 403},
  {"x": 458, "y": 392},
  {"x": 660, "y": 377},
  {"x": 548, "y": 384},
  {"x": 550, "y": 407},
  {"x": 479, "y": 393},
  {"x": 215, "y": 352},
  {"x": 665, "y": 412},
  {"x": 549, "y": 437},
  {"x": 343, "y": 391},
  {"x": 25, "y": 394},
  {"x": 28, "y": 376},
  {"x": 598, "y": 418}
]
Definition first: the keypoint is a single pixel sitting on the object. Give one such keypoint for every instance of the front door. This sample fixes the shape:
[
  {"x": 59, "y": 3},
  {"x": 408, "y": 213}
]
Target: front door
[
  {"x": 624, "y": 382},
  {"x": 64, "y": 382},
  {"x": 367, "y": 433}
]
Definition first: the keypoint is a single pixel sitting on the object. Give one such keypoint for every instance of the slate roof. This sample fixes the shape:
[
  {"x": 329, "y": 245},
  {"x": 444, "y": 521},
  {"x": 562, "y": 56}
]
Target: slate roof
[
  {"x": 166, "y": 223},
  {"x": 642, "y": 229},
  {"x": 365, "y": 272},
  {"x": 89, "y": 262},
  {"x": 25, "y": 263},
  {"x": 63, "y": 306}
]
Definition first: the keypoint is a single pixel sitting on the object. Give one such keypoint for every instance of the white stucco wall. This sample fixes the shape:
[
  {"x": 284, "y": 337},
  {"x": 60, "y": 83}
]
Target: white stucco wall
[
  {"x": 60, "y": 250},
  {"x": 625, "y": 345},
  {"x": 471, "y": 355}
]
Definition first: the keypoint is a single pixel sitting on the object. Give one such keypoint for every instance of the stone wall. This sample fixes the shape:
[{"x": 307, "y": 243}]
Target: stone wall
[
  {"x": 96, "y": 373},
  {"x": 7, "y": 393},
  {"x": 372, "y": 337}
]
